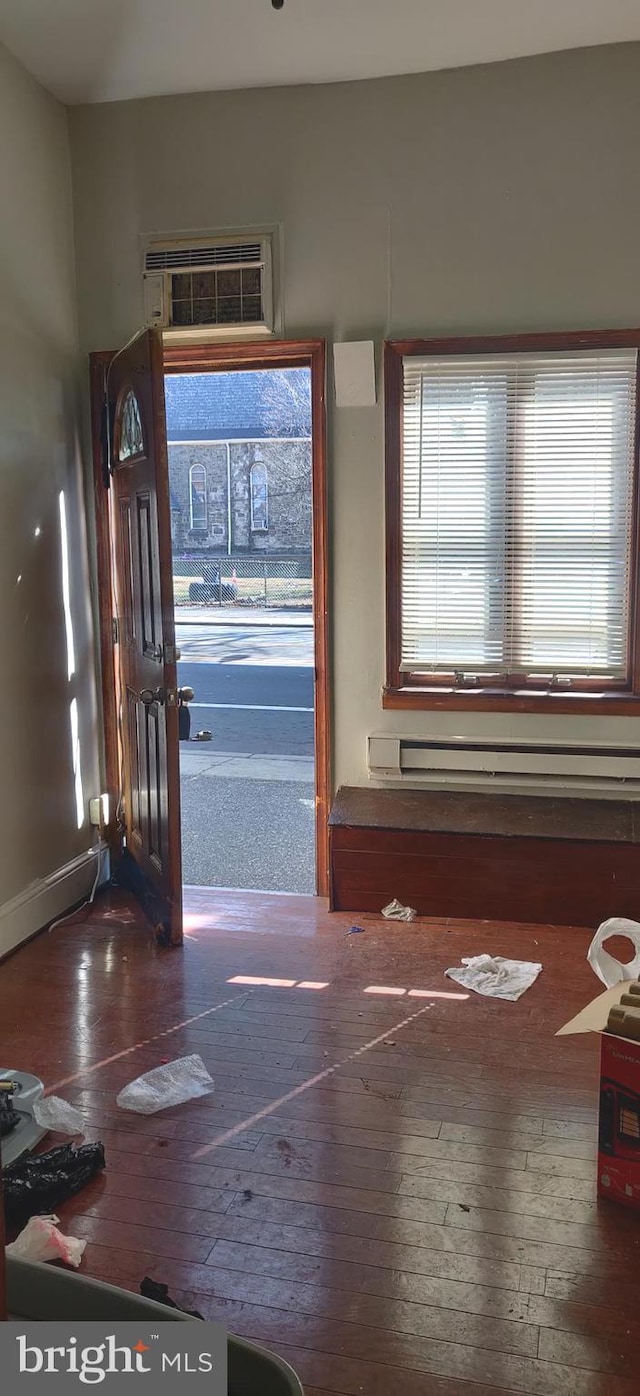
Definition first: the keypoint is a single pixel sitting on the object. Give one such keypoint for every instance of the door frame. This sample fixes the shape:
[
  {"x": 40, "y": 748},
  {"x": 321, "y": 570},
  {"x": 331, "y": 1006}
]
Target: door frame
[{"x": 191, "y": 358}]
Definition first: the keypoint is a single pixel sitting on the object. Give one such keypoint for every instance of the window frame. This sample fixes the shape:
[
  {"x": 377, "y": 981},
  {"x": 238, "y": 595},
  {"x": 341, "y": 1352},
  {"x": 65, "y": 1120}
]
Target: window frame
[
  {"x": 409, "y": 690},
  {"x": 198, "y": 528}
]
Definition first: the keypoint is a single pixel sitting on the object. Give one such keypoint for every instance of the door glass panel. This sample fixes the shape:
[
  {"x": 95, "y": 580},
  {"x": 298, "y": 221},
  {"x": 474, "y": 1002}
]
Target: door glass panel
[
  {"x": 131, "y": 438},
  {"x": 147, "y": 575}
]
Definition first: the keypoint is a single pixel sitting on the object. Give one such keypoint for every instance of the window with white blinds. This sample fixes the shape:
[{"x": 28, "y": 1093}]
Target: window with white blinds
[{"x": 517, "y": 501}]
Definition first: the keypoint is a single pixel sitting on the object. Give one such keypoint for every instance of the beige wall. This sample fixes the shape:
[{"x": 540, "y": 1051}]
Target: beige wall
[
  {"x": 480, "y": 200},
  {"x": 42, "y": 868}
]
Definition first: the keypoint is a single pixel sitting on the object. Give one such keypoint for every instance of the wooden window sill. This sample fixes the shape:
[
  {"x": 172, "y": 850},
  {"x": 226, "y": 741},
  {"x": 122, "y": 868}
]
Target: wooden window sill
[{"x": 484, "y": 700}]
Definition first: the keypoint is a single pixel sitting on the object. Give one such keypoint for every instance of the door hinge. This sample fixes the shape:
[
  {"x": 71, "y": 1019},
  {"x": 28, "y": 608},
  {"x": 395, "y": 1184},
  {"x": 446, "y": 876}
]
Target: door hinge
[{"x": 115, "y": 630}]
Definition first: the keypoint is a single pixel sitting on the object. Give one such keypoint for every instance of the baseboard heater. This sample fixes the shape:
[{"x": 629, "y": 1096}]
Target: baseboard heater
[{"x": 532, "y": 766}]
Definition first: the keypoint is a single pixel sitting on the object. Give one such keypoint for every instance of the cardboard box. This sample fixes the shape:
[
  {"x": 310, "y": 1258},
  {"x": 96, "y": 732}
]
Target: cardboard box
[{"x": 619, "y": 1120}]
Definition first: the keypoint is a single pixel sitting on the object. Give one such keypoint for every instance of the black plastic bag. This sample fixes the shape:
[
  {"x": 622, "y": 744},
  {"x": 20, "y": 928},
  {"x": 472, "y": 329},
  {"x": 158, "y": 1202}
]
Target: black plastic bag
[
  {"x": 38, "y": 1183},
  {"x": 150, "y": 1289}
]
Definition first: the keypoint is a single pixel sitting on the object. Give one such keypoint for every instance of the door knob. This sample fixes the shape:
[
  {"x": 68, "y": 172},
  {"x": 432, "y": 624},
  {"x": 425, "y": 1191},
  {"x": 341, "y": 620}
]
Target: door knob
[
  {"x": 152, "y": 695},
  {"x": 185, "y": 695}
]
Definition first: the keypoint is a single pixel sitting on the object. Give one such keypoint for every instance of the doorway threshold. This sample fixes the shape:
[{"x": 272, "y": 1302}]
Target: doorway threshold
[{"x": 253, "y": 912}]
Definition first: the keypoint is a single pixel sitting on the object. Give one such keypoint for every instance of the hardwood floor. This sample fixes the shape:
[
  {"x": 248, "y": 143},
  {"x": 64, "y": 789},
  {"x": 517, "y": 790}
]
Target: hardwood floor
[{"x": 395, "y": 1190}]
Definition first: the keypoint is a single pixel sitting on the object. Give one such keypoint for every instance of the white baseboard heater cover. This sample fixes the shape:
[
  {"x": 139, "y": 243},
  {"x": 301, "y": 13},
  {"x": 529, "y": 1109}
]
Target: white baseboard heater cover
[{"x": 532, "y": 766}]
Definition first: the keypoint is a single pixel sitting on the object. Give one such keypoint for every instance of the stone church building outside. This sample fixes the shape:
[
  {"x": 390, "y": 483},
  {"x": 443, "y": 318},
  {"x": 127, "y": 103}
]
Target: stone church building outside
[{"x": 240, "y": 464}]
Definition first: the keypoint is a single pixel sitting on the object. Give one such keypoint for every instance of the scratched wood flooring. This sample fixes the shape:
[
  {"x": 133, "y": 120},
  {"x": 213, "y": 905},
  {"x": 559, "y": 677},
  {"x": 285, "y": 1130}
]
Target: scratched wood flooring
[{"x": 395, "y": 1190}]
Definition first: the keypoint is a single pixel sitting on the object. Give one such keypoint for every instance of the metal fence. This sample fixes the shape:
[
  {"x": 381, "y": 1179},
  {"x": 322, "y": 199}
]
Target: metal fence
[{"x": 243, "y": 581}]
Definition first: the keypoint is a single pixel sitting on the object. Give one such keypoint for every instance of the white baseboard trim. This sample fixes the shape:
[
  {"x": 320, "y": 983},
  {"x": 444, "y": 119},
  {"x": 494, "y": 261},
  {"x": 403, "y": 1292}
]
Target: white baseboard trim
[{"x": 45, "y": 899}]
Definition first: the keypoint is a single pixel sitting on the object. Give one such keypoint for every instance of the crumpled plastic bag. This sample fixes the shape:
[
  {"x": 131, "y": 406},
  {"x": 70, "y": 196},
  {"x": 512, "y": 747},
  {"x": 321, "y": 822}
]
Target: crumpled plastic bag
[
  {"x": 39, "y": 1182},
  {"x": 52, "y": 1112},
  {"x": 185, "y": 1079},
  {"x": 607, "y": 968},
  {"x": 495, "y": 977},
  {"x": 41, "y": 1240},
  {"x": 395, "y": 911}
]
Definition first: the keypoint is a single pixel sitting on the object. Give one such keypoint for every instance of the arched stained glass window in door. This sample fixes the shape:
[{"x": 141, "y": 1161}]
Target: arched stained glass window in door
[{"x": 131, "y": 441}]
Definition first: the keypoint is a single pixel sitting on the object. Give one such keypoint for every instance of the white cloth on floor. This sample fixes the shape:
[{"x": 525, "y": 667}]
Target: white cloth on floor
[{"x": 494, "y": 976}]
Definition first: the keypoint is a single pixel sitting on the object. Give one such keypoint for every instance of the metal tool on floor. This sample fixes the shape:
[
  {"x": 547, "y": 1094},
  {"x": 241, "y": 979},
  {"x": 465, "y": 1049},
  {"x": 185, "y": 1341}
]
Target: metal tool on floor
[{"x": 20, "y": 1091}]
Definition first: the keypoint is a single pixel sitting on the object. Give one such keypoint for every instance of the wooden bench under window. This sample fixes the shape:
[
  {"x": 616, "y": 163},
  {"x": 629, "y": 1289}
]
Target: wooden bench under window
[{"x": 539, "y": 859}]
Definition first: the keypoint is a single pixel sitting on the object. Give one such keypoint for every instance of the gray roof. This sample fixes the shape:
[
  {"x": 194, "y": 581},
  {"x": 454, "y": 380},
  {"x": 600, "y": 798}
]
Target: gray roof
[{"x": 239, "y": 405}]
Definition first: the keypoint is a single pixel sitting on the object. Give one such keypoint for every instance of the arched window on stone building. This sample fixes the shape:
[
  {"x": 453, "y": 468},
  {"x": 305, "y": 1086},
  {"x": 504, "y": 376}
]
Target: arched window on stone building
[
  {"x": 259, "y": 489},
  {"x": 198, "y": 498}
]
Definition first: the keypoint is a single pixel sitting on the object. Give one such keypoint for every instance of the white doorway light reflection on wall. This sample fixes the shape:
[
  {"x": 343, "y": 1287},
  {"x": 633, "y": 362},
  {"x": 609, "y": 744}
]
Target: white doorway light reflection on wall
[
  {"x": 66, "y": 587},
  {"x": 77, "y": 769},
  {"x": 71, "y": 660}
]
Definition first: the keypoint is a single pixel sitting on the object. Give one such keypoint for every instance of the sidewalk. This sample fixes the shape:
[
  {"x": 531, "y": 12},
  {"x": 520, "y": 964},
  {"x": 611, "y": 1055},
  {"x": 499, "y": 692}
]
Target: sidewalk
[
  {"x": 240, "y": 615},
  {"x": 255, "y": 833},
  {"x": 195, "y": 760}
]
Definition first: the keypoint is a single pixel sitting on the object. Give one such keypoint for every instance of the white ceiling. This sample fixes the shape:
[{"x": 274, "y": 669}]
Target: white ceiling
[{"x": 109, "y": 50}]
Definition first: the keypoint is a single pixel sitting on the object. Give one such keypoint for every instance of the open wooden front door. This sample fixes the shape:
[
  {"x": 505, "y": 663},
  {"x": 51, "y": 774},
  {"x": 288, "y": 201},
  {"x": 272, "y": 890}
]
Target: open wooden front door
[{"x": 145, "y": 674}]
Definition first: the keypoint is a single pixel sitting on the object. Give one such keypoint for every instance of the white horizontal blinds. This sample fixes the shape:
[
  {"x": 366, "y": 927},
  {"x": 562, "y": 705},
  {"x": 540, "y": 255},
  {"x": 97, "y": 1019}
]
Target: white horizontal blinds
[
  {"x": 453, "y": 514},
  {"x": 517, "y": 501}
]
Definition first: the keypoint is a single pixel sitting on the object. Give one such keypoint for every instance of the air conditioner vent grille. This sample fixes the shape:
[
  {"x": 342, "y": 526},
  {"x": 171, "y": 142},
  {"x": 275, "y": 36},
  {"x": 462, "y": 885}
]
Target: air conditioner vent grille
[{"x": 213, "y": 255}]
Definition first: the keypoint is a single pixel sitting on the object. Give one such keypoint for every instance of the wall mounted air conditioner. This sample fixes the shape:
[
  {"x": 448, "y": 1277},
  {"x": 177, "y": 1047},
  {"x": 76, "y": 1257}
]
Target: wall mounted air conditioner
[
  {"x": 532, "y": 766},
  {"x": 217, "y": 287}
]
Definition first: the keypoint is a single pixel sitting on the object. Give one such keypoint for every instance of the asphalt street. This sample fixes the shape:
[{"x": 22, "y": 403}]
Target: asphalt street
[
  {"x": 253, "y": 684},
  {"x": 252, "y": 707}
]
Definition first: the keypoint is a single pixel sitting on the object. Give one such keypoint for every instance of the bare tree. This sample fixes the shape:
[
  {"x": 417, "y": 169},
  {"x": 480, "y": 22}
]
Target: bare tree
[{"x": 286, "y": 397}]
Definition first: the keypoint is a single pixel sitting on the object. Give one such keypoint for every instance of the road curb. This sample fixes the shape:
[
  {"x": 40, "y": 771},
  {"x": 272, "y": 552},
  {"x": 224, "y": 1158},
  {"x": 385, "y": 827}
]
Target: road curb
[{"x": 237, "y": 765}]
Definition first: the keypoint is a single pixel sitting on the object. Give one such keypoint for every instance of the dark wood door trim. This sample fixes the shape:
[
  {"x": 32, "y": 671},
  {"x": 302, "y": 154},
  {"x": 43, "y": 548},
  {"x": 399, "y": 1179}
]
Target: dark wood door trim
[
  {"x": 98, "y": 365},
  {"x": 293, "y": 354},
  {"x": 107, "y": 607}
]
